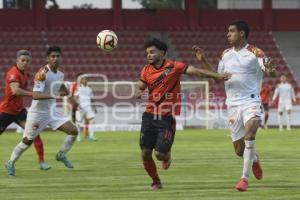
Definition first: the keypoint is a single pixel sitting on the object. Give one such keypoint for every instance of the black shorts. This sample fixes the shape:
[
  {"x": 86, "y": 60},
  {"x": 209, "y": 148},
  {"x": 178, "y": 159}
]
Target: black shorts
[
  {"x": 157, "y": 133},
  {"x": 7, "y": 119},
  {"x": 266, "y": 106}
]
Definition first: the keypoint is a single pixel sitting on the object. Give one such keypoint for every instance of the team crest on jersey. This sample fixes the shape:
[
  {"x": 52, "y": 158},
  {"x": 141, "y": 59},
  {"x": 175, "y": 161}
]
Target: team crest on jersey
[
  {"x": 256, "y": 51},
  {"x": 41, "y": 74}
]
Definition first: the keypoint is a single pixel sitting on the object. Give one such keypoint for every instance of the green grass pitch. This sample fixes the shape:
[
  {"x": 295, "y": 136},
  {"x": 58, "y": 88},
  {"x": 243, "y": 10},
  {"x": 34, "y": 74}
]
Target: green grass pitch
[{"x": 204, "y": 167}]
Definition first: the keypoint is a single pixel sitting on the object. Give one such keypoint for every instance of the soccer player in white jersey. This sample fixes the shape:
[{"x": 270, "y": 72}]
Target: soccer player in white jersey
[
  {"x": 83, "y": 96},
  {"x": 47, "y": 87},
  {"x": 247, "y": 65},
  {"x": 286, "y": 94}
]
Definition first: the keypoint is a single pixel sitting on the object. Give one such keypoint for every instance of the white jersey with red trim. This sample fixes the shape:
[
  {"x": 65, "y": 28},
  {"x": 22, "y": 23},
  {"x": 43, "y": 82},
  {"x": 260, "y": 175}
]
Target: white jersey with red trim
[
  {"x": 48, "y": 82},
  {"x": 247, "y": 68}
]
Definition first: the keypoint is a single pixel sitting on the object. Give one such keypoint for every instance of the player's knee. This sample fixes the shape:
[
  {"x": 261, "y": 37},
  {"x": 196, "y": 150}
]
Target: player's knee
[
  {"x": 73, "y": 131},
  {"x": 159, "y": 156},
  {"x": 146, "y": 155},
  {"x": 239, "y": 152},
  {"x": 27, "y": 141}
]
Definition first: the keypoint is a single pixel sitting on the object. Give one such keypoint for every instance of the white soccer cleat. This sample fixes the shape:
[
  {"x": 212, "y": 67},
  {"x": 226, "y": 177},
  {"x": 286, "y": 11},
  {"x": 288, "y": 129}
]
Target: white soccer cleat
[
  {"x": 92, "y": 138},
  {"x": 62, "y": 158},
  {"x": 44, "y": 166},
  {"x": 10, "y": 167}
]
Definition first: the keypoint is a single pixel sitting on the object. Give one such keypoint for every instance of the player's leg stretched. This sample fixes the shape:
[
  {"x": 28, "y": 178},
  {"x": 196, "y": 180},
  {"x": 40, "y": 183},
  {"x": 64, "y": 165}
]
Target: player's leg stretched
[
  {"x": 16, "y": 154},
  {"x": 251, "y": 161},
  {"x": 288, "y": 120},
  {"x": 91, "y": 129},
  {"x": 71, "y": 130},
  {"x": 39, "y": 148},
  {"x": 280, "y": 120},
  {"x": 150, "y": 167}
]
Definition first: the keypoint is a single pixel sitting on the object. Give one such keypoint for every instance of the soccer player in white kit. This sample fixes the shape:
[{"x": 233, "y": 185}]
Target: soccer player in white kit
[
  {"x": 247, "y": 65},
  {"x": 83, "y": 96},
  {"x": 286, "y": 94},
  {"x": 47, "y": 87}
]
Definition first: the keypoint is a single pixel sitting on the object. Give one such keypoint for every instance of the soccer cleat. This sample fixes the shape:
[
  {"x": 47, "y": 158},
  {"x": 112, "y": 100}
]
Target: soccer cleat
[
  {"x": 156, "y": 185},
  {"x": 256, "y": 169},
  {"x": 62, "y": 158},
  {"x": 10, "y": 168},
  {"x": 92, "y": 138},
  {"x": 167, "y": 163},
  {"x": 44, "y": 166},
  {"x": 242, "y": 185}
]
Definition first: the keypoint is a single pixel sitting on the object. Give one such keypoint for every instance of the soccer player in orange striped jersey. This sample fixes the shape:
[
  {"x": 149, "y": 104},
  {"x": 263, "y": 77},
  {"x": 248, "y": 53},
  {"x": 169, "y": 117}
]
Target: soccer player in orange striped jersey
[
  {"x": 265, "y": 95},
  {"x": 12, "y": 108},
  {"x": 161, "y": 77}
]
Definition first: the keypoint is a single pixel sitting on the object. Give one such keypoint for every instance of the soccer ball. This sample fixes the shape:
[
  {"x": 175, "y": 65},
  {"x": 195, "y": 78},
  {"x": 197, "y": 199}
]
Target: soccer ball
[{"x": 107, "y": 40}]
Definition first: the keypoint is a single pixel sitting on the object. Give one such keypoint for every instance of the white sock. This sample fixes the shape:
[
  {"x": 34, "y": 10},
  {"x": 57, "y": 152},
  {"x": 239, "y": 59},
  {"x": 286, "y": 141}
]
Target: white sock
[
  {"x": 249, "y": 155},
  {"x": 255, "y": 158},
  {"x": 78, "y": 129},
  {"x": 91, "y": 127},
  {"x": 68, "y": 142},
  {"x": 279, "y": 122},
  {"x": 17, "y": 152},
  {"x": 288, "y": 121}
]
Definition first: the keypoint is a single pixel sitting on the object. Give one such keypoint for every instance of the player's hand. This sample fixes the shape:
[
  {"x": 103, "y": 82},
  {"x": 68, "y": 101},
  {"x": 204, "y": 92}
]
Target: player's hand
[
  {"x": 224, "y": 77},
  {"x": 269, "y": 64},
  {"x": 138, "y": 94},
  {"x": 200, "y": 55}
]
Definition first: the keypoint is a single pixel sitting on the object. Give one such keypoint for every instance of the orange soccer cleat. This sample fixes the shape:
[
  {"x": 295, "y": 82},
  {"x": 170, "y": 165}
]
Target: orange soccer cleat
[
  {"x": 242, "y": 185},
  {"x": 256, "y": 169}
]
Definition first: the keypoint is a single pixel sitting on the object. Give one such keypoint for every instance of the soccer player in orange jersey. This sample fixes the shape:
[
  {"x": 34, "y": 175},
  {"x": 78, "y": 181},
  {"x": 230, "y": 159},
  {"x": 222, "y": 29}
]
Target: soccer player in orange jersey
[
  {"x": 12, "y": 108},
  {"x": 265, "y": 94},
  {"x": 161, "y": 77}
]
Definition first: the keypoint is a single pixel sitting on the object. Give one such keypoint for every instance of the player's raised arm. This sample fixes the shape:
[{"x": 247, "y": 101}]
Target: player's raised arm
[
  {"x": 270, "y": 67},
  {"x": 200, "y": 55},
  {"x": 193, "y": 71}
]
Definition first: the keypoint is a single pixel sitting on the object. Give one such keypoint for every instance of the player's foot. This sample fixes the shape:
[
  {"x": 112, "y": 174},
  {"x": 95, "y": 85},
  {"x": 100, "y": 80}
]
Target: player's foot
[
  {"x": 92, "y": 138},
  {"x": 280, "y": 129},
  {"x": 288, "y": 128},
  {"x": 44, "y": 166},
  {"x": 78, "y": 139},
  {"x": 10, "y": 167},
  {"x": 242, "y": 185},
  {"x": 156, "y": 185},
  {"x": 62, "y": 158},
  {"x": 256, "y": 169},
  {"x": 167, "y": 162},
  {"x": 265, "y": 126}
]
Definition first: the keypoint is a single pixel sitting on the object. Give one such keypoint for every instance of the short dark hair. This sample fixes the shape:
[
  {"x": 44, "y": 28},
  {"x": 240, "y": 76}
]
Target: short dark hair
[
  {"x": 23, "y": 52},
  {"x": 53, "y": 49},
  {"x": 241, "y": 26},
  {"x": 156, "y": 43}
]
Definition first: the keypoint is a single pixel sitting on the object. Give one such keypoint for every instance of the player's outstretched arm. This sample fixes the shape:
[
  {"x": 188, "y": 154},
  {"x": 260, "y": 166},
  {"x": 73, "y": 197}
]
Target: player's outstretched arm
[
  {"x": 193, "y": 71},
  {"x": 200, "y": 55},
  {"x": 17, "y": 91},
  {"x": 141, "y": 87},
  {"x": 41, "y": 96}
]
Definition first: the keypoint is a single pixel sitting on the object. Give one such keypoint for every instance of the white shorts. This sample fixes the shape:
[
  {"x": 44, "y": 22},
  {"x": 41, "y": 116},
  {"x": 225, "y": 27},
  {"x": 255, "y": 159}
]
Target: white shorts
[
  {"x": 284, "y": 106},
  {"x": 37, "y": 122},
  {"x": 84, "y": 113},
  {"x": 239, "y": 115}
]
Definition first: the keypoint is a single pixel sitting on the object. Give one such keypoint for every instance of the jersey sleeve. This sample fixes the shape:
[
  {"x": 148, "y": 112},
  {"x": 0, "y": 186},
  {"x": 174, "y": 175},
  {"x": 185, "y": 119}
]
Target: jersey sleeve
[
  {"x": 143, "y": 76},
  {"x": 260, "y": 55},
  {"x": 39, "y": 80},
  {"x": 12, "y": 77},
  {"x": 181, "y": 67},
  {"x": 221, "y": 68}
]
